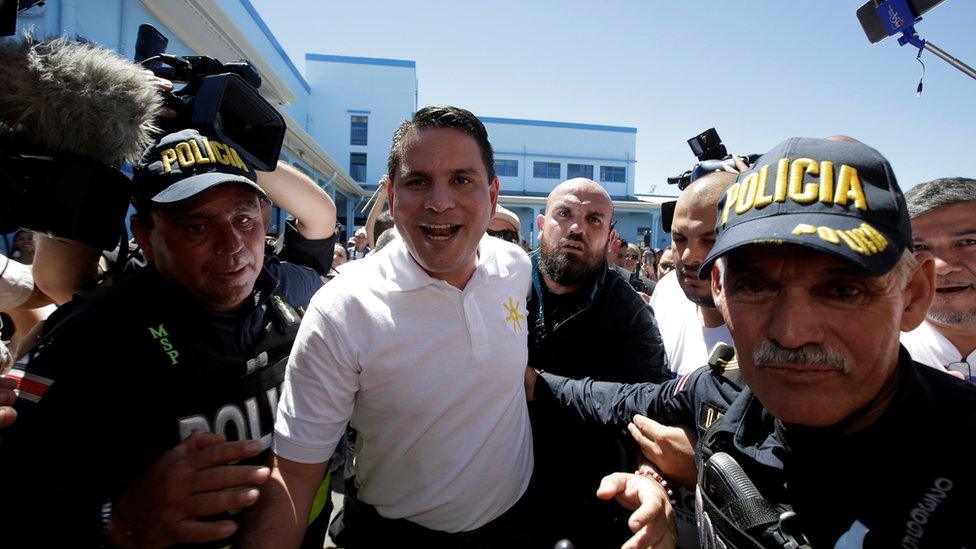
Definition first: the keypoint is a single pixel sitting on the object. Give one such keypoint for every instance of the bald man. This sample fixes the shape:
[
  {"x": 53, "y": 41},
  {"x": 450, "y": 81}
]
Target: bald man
[
  {"x": 690, "y": 323},
  {"x": 584, "y": 321}
]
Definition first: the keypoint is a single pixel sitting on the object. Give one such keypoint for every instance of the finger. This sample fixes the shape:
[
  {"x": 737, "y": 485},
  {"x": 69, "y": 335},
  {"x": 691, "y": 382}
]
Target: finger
[
  {"x": 167, "y": 112},
  {"x": 221, "y": 501},
  {"x": 195, "y": 531},
  {"x": 611, "y": 485},
  {"x": 7, "y": 397},
  {"x": 7, "y": 416},
  {"x": 198, "y": 440},
  {"x": 645, "y": 537},
  {"x": 225, "y": 452},
  {"x": 229, "y": 476},
  {"x": 650, "y": 448}
]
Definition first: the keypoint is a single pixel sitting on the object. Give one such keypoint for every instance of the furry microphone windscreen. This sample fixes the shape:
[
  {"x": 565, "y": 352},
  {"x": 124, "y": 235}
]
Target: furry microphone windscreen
[{"x": 76, "y": 99}]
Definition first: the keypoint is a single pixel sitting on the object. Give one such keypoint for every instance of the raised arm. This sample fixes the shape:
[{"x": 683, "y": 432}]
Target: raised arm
[{"x": 296, "y": 193}]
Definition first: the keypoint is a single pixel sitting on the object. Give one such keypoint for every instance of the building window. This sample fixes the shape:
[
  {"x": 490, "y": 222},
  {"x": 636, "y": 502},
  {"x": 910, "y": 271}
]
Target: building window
[
  {"x": 357, "y": 166},
  {"x": 579, "y": 170},
  {"x": 358, "y": 130},
  {"x": 613, "y": 174},
  {"x": 546, "y": 170},
  {"x": 506, "y": 168}
]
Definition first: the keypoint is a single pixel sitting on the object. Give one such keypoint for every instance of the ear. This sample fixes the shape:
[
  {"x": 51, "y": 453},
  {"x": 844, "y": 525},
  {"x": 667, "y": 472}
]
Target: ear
[
  {"x": 540, "y": 221},
  {"x": 266, "y": 213},
  {"x": 717, "y": 296},
  {"x": 918, "y": 294},
  {"x": 613, "y": 243},
  {"x": 493, "y": 188},
  {"x": 142, "y": 237},
  {"x": 390, "y": 198}
]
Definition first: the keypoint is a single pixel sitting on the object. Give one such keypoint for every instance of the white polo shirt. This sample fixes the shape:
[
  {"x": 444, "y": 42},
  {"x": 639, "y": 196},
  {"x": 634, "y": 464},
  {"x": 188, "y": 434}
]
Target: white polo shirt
[
  {"x": 686, "y": 342},
  {"x": 928, "y": 346},
  {"x": 430, "y": 376}
]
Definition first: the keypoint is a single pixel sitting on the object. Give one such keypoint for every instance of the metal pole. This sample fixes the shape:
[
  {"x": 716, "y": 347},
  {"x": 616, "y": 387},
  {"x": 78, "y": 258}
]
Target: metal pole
[{"x": 950, "y": 59}]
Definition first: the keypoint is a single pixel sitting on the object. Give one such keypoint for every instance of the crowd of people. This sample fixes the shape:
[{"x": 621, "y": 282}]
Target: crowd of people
[{"x": 752, "y": 385}]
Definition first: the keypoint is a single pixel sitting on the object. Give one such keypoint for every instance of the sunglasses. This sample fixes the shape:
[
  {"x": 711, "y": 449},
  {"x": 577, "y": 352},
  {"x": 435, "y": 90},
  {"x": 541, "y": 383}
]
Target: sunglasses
[
  {"x": 506, "y": 234},
  {"x": 628, "y": 256}
]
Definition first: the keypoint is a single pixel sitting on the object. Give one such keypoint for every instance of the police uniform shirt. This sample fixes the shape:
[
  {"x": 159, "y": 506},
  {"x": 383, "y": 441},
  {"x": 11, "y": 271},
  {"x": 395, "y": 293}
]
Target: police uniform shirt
[{"x": 126, "y": 372}]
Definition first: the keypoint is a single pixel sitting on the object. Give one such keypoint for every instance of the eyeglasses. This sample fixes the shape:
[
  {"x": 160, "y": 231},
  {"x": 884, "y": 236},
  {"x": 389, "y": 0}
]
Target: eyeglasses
[
  {"x": 506, "y": 234},
  {"x": 628, "y": 256}
]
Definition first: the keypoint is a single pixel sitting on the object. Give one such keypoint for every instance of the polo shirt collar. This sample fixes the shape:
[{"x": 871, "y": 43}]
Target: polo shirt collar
[{"x": 407, "y": 274}]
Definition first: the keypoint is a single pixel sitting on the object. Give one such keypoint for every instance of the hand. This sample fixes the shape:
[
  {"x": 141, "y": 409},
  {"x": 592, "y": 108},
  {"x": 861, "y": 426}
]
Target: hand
[
  {"x": 190, "y": 481},
  {"x": 531, "y": 376},
  {"x": 653, "y": 518},
  {"x": 671, "y": 449},
  {"x": 7, "y": 397},
  {"x": 162, "y": 85}
]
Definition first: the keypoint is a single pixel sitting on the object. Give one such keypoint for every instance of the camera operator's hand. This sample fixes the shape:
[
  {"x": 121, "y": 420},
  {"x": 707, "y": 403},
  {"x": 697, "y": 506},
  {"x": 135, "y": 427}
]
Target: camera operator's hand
[
  {"x": 652, "y": 520},
  {"x": 190, "y": 481},
  {"x": 295, "y": 192},
  {"x": 671, "y": 449},
  {"x": 7, "y": 397},
  {"x": 164, "y": 86}
]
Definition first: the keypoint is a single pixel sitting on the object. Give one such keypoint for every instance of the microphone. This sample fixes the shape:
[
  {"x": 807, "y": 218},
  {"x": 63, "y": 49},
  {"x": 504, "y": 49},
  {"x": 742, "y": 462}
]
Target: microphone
[{"x": 82, "y": 100}]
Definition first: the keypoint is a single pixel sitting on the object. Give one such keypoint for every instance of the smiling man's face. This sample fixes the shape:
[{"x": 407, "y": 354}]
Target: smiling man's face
[
  {"x": 441, "y": 201},
  {"x": 949, "y": 234}
]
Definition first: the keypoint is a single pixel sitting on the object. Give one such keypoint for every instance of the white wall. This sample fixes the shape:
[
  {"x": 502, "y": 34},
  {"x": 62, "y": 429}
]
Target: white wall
[
  {"x": 529, "y": 141},
  {"x": 385, "y": 92}
]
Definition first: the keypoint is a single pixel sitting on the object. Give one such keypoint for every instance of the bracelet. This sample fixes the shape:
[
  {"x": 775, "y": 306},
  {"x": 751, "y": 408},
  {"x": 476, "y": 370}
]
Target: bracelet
[{"x": 649, "y": 472}]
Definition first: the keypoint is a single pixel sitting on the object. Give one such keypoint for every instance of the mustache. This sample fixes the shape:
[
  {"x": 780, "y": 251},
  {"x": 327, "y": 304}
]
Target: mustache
[
  {"x": 573, "y": 237},
  {"x": 768, "y": 353}
]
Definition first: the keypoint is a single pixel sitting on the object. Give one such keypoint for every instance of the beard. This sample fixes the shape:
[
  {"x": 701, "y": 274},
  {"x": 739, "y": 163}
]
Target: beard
[
  {"x": 700, "y": 300},
  {"x": 950, "y": 317},
  {"x": 565, "y": 269}
]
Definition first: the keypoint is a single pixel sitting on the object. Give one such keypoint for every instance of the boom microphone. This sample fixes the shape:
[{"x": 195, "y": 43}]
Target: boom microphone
[
  {"x": 75, "y": 99},
  {"x": 70, "y": 114}
]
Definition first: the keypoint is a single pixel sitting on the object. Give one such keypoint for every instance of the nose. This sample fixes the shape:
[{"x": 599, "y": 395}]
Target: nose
[
  {"x": 440, "y": 197},
  {"x": 228, "y": 240},
  {"x": 794, "y": 322},
  {"x": 945, "y": 263},
  {"x": 694, "y": 253}
]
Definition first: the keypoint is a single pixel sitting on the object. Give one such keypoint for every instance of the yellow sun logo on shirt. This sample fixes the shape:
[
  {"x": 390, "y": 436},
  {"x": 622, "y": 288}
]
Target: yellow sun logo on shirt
[{"x": 514, "y": 316}]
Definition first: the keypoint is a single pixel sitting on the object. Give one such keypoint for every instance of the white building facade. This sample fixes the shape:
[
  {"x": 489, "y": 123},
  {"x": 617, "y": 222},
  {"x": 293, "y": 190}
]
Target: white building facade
[{"x": 342, "y": 111}]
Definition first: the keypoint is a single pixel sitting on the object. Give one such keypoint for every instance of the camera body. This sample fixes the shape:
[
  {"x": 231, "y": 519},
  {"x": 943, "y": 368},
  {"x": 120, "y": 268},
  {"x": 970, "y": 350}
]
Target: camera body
[
  {"x": 220, "y": 99},
  {"x": 712, "y": 156}
]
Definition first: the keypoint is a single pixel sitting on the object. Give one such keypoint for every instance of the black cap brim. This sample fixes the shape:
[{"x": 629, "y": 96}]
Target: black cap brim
[
  {"x": 192, "y": 186},
  {"x": 782, "y": 229}
]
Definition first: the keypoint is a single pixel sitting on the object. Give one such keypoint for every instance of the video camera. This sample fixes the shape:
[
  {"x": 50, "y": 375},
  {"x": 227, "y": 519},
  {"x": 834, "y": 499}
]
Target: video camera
[
  {"x": 712, "y": 156},
  {"x": 218, "y": 98}
]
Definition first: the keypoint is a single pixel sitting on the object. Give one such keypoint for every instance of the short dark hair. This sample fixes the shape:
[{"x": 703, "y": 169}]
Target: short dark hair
[
  {"x": 937, "y": 193},
  {"x": 442, "y": 116},
  {"x": 383, "y": 222}
]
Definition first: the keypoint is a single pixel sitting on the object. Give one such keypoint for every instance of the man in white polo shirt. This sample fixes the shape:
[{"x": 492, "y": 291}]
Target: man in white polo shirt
[
  {"x": 422, "y": 349},
  {"x": 943, "y": 215}
]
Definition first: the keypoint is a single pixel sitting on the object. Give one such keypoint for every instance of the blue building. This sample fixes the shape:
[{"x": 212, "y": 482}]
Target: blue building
[{"x": 341, "y": 111}]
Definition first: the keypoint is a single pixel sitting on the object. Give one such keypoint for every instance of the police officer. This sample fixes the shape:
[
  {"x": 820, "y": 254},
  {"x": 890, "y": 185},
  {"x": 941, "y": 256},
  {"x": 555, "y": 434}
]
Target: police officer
[
  {"x": 811, "y": 437},
  {"x": 128, "y": 403}
]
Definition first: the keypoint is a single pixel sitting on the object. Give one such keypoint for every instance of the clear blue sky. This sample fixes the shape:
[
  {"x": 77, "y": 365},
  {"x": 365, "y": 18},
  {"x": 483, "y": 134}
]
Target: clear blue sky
[{"x": 758, "y": 71}]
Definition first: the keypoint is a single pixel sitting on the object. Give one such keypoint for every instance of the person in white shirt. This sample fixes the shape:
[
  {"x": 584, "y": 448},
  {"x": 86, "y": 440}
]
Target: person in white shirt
[
  {"x": 943, "y": 215},
  {"x": 686, "y": 315},
  {"x": 422, "y": 348}
]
